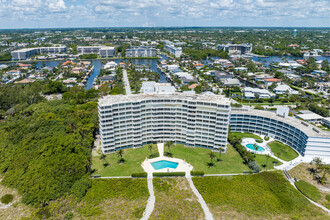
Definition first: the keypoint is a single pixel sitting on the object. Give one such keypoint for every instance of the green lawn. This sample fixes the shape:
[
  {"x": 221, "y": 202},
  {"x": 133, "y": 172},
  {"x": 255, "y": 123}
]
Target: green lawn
[
  {"x": 267, "y": 195},
  {"x": 246, "y": 135},
  {"x": 133, "y": 160},
  {"x": 231, "y": 162},
  {"x": 285, "y": 152},
  {"x": 261, "y": 161},
  {"x": 308, "y": 190}
]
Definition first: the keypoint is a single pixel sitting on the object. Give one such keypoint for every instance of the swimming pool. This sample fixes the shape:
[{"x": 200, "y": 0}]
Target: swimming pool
[
  {"x": 251, "y": 146},
  {"x": 164, "y": 164}
]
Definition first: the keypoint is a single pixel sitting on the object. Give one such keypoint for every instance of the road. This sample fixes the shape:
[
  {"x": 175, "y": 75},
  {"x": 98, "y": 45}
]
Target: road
[{"x": 126, "y": 82}]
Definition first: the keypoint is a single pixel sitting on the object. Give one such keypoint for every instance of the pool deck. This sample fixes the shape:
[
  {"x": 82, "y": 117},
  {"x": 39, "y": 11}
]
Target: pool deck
[
  {"x": 183, "y": 166},
  {"x": 267, "y": 150}
]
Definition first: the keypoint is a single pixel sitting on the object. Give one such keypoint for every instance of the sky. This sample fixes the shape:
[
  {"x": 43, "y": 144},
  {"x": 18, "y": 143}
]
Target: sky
[{"x": 163, "y": 13}]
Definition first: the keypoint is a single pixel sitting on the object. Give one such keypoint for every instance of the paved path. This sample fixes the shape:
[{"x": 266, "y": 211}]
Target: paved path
[
  {"x": 318, "y": 205},
  {"x": 208, "y": 214},
  {"x": 126, "y": 83},
  {"x": 160, "y": 147},
  {"x": 151, "y": 201}
]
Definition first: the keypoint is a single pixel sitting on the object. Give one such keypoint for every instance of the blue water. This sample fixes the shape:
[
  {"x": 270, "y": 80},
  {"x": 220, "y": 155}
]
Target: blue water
[
  {"x": 250, "y": 146},
  {"x": 164, "y": 164},
  {"x": 98, "y": 65}
]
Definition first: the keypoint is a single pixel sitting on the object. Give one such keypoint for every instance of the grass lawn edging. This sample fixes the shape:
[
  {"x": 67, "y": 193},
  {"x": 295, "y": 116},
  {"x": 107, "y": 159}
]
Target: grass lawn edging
[{"x": 308, "y": 190}]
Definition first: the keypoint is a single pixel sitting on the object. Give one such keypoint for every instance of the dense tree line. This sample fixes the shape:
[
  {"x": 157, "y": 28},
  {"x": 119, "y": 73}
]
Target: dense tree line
[
  {"x": 45, "y": 146},
  {"x": 197, "y": 54},
  {"x": 319, "y": 110},
  {"x": 5, "y": 57}
]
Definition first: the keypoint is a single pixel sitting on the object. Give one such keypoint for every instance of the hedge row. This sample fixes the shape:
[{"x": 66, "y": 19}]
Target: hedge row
[
  {"x": 197, "y": 173},
  {"x": 169, "y": 174},
  {"x": 246, "y": 155},
  {"x": 144, "y": 174}
]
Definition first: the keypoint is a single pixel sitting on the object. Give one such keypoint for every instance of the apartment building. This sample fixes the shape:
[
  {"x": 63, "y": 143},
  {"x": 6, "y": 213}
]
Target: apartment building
[
  {"x": 26, "y": 53},
  {"x": 139, "y": 119},
  {"x": 103, "y": 51},
  {"x": 173, "y": 49},
  {"x": 141, "y": 52}
]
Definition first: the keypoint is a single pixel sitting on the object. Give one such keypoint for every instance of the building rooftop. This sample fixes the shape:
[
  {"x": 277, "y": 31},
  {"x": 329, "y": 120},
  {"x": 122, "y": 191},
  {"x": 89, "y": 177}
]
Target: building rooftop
[
  {"x": 309, "y": 129},
  {"x": 111, "y": 99},
  {"x": 310, "y": 116}
]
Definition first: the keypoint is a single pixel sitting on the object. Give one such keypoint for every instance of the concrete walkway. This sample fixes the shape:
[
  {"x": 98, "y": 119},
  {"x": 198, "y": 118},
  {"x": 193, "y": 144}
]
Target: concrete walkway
[
  {"x": 126, "y": 83},
  {"x": 208, "y": 214},
  {"x": 160, "y": 147},
  {"x": 151, "y": 201}
]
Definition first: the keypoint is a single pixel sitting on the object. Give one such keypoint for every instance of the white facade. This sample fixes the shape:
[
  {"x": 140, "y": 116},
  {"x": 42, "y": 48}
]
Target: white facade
[
  {"x": 306, "y": 139},
  {"x": 250, "y": 93},
  {"x": 149, "y": 87},
  {"x": 136, "y": 120},
  {"x": 172, "y": 49},
  {"x": 141, "y": 52}
]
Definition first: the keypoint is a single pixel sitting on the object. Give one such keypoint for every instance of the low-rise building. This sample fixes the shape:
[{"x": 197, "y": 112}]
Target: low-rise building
[
  {"x": 311, "y": 117},
  {"x": 270, "y": 81},
  {"x": 285, "y": 89},
  {"x": 149, "y": 87},
  {"x": 252, "y": 93}
]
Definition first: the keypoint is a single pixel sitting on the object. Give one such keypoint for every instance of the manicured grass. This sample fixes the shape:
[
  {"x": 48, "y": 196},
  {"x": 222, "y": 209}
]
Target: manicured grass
[
  {"x": 261, "y": 161},
  {"x": 265, "y": 195},
  {"x": 175, "y": 200},
  {"x": 231, "y": 162},
  {"x": 246, "y": 135},
  {"x": 114, "y": 199},
  {"x": 282, "y": 151},
  {"x": 133, "y": 160},
  {"x": 308, "y": 190}
]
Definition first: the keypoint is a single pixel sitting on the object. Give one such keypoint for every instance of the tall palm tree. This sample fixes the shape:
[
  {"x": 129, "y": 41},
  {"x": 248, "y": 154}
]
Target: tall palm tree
[
  {"x": 169, "y": 144},
  {"x": 150, "y": 148},
  {"x": 120, "y": 153},
  {"x": 212, "y": 156},
  {"x": 221, "y": 150}
]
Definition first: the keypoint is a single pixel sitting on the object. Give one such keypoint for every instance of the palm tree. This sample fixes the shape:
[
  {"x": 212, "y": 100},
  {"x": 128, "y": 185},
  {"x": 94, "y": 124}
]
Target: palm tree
[
  {"x": 120, "y": 154},
  {"x": 212, "y": 156},
  {"x": 267, "y": 157},
  {"x": 169, "y": 144},
  {"x": 150, "y": 148},
  {"x": 256, "y": 147},
  {"x": 221, "y": 150}
]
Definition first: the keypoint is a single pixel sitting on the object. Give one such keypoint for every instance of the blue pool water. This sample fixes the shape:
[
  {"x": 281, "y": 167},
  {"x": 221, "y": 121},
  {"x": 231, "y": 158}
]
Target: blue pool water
[
  {"x": 250, "y": 146},
  {"x": 164, "y": 164}
]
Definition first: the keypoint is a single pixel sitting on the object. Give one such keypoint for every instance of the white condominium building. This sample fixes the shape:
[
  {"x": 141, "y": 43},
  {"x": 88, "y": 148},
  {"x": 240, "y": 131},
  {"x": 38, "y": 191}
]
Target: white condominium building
[
  {"x": 141, "y": 52},
  {"x": 136, "y": 120},
  {"x": 103, "y": 51}
]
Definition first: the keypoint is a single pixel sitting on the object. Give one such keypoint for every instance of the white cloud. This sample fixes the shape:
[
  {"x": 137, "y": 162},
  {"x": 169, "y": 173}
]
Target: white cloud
[{"x": 167, "y": 12}]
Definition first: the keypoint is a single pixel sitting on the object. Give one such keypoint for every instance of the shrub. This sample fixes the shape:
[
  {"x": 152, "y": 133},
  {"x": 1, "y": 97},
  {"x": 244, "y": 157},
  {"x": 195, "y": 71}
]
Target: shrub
[
  {"x": 68, "y": 216},
  {"x": 259, "y": 107},
  {"x": 266, "y": 138},
  {"x": 140, "y": 174},
  {"x": 308, "y": 190},
  {"x": 197, "y": 173},
  {"x": 154, "y": 155},
  {"x": 43, "y": 213},
  {"x": 6, "y": 199},
  {"x": 254, "y": 167},
  {"x": 80, "y": 187},
  {"x": 327, "y": 197},
  {"x": 259, "y": 141},
  {"x": 169, "y": 174}
]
